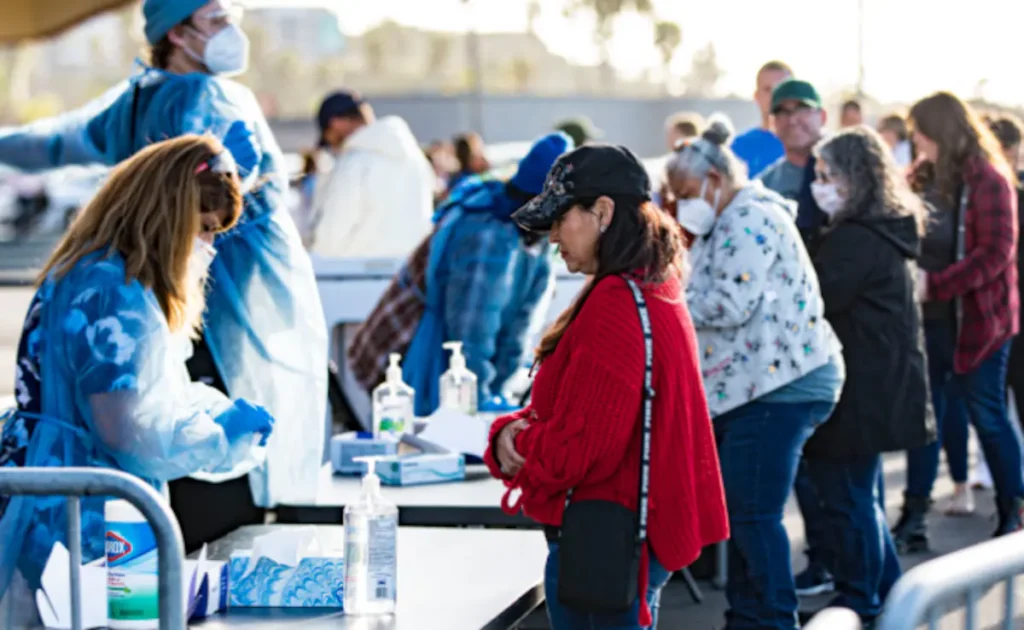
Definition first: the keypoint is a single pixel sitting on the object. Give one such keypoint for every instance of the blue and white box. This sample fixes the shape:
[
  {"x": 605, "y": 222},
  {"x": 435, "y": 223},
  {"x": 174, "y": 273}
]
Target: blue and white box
[
  {"x": 421, "y": 468},
  {"x": 287, "y": 569},
  {"x": 345, "y": 448}
]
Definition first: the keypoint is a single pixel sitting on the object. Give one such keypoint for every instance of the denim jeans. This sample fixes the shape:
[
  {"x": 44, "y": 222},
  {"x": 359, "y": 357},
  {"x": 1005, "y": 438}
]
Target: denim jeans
[
  {"x": 563, "y": 618},
  {"x": 982, "y": 394},
  {"x": 759, "y": 445},
  {"x": 810, "y": 510},
  {"x": 858, "y": 550}
]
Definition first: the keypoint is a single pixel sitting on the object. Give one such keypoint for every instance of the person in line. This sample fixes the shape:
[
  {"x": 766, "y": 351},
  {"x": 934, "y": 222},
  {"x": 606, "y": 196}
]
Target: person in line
[
  {"x": 893, "y": 128},
  {"x": 264, "y": 337},
  {"x": 865, "y": 261},
  {"x": 772, "y": 366},
  {"x": 471, "y": 157},
  {"x": 851, "y": 114},
  {"x": 682, "y": 126},
  {"x": 377, "y": 198},
  {"x": 481, "y": 280},
  {"x": 100, "y": 376},
  {"x": 441, "y": 156},
  {"x": 581, "y": 129},
  {"x": 759, "y": 147},
  {"x": 583, "y": 429},
  {"x": 1008, "y": 131},
  {"x": 799, "y": 120},
  {"x": 968, "y": 351}
]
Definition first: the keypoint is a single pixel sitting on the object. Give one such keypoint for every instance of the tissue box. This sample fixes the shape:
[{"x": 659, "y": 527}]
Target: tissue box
[
  {"x": 211, "y": 590},
  {"x": 421, "y": 468},
  {"x": 348, "y": 446},
  {"x": 315, "y": 583}
]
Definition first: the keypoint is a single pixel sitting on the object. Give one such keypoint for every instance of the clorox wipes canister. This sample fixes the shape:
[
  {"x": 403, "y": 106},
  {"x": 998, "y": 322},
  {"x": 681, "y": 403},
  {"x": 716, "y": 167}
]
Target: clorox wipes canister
[{"x": 132, "y": 594}]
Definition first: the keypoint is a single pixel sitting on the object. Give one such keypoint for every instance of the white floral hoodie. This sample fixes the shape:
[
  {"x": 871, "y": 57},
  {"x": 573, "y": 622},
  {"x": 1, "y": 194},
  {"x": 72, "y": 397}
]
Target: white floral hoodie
[{"x": 754, "y": 299}]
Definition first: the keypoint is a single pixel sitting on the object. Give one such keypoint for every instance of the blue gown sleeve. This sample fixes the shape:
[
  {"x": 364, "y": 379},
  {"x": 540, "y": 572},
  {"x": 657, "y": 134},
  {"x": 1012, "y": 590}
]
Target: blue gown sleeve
[
  {"x": 210, "y": 109},
  {"x": 130, "y": 376},
  {"x": 525, "y": 320},
  {"x": 478, "y": 290}
]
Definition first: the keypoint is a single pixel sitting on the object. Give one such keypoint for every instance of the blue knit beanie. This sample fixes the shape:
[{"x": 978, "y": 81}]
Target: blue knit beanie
[
  {"x": 533, "y": 169},
  {"x": 163, "y": 15}
]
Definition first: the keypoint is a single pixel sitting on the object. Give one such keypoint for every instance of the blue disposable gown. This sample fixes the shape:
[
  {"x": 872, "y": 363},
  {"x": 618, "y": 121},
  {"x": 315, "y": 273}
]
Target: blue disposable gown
[
  {"x": 264, "y": 325},
  {"x": 115, "y": 394}
]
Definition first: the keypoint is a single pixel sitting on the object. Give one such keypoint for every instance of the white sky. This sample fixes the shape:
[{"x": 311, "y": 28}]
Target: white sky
[{"x": 913, "y": 46}]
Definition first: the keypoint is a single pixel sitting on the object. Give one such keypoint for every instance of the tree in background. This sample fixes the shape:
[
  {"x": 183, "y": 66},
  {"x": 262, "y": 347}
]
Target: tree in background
[
  {"x": 605, "y": 12},
  {"x": 667, "y": 38},
  {"x": 705, "y": 73}
]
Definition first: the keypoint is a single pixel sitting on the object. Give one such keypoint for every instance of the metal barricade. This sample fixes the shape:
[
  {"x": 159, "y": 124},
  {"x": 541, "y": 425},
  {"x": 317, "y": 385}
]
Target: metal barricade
[
  {"x": 835, "y": 619},
  {"x": 923, "y": 593},
  {"x": 75, "y": 483}
]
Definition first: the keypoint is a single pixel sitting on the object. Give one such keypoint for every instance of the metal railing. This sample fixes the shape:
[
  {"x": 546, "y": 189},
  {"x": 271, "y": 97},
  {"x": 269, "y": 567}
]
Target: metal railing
[
  {"x": 835, "y": 619},
  {"x": 923, "y": 594},
  {"x": 75, "y": 483}
]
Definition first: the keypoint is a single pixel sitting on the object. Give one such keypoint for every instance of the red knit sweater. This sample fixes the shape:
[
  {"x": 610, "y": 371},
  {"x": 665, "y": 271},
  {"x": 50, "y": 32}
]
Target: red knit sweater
[{"x": 585, "y": 424}]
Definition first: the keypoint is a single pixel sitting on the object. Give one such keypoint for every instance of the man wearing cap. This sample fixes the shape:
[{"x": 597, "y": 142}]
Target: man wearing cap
[
  {"x": 264, "y": 336},
  {"x": 377, "y": 199},
  {"x": 581, "y": 129}
]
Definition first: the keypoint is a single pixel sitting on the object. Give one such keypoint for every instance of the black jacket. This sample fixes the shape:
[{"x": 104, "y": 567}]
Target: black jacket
[{"x": 866, "y": 268}]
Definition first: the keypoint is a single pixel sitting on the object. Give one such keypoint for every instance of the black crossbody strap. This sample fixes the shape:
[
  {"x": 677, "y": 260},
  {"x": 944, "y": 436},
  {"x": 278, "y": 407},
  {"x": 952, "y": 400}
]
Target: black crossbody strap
[{"x": 648, "y": 410}]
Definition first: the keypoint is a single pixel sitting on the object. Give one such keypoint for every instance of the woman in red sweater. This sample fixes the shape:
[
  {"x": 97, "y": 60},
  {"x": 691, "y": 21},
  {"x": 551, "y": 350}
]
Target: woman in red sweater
[{"x": 584, "y": 429}]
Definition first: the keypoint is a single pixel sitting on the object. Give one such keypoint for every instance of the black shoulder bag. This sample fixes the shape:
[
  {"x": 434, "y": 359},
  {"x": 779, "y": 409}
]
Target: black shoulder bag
[{"x": 600, "y": 542}]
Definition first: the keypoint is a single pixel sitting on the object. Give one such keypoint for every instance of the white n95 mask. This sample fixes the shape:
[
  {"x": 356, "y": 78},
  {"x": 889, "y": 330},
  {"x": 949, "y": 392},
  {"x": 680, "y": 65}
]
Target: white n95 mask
[
  {"x": 827, "y": 197},
  {"x": 696, "y": 215},
  {"x": 227, "y": 51},
  {"x": 202, "y": 257}
]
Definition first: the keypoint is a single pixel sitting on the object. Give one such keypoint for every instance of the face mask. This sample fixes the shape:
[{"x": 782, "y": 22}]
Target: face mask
[
  {"x": 202, "y": 257},
  {"x": 227, "y": 52},
  {"x": 696, "y": 215},
  {"x": 827, "y": 198}
]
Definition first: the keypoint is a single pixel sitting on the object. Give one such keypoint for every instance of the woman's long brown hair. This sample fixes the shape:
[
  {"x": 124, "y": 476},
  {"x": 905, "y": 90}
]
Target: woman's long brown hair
[
  {"x": 640, "y": 238},
  {"x": 960, "y": 135},
  {"x": 149, "y": 210}
]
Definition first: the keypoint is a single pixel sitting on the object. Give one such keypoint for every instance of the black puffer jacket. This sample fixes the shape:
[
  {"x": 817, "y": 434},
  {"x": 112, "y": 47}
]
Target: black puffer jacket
[{"x": 866, "y": 268}]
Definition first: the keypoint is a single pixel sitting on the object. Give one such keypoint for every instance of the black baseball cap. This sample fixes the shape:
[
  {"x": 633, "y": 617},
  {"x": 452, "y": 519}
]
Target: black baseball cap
[
  {"x": 340, "y": 103},
  {"x": 593, "y": 170}
]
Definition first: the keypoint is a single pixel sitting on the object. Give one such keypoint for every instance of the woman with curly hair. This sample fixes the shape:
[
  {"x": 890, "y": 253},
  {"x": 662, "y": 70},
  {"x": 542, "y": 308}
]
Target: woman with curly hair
[{"x": 866, "y": 269}]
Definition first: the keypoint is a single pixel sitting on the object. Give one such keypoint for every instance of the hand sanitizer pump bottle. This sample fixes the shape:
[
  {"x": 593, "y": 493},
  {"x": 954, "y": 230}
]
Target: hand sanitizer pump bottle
[
  {"x": 393, "y": 403},
  {"x": 458, "y": 384},
  {"x": 371, "y": 558}
]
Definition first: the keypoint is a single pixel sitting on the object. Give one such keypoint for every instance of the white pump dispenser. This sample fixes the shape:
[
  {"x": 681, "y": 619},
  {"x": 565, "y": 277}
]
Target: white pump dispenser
[
  {"x": 458, "y": 384},
  {"x": 371, "y": 558},
  {"x": 393, "y": 412}
]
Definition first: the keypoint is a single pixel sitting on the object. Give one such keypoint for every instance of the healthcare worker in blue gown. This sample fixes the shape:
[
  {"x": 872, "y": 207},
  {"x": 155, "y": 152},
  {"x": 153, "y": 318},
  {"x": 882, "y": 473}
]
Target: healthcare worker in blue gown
[
  {"x": 100, "y": 379},
  {"x": 265, "y": 338}
]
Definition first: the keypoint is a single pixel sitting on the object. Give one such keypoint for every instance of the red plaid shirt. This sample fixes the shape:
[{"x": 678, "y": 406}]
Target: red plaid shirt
[
  {"x": 986, "y": 278},
  {"x": 393, "y": 322}
]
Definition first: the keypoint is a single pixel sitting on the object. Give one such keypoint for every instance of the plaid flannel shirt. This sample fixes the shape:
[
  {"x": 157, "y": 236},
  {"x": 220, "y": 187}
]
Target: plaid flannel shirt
[
  {"x": 393, "y": 322},
  {"x": 986, "y": 278}
]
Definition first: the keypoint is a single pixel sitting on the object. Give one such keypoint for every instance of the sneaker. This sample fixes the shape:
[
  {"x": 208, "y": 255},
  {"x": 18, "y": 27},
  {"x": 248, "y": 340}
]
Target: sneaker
[
  {"x": 814, "y": 580},
  {"x": 961, "y": 503},
  {"x": 981, "y": 476}
]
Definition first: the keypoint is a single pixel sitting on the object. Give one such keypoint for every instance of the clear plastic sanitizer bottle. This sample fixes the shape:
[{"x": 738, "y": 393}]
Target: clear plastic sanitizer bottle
[
  {"x": 393, "y": 403},
  {"x": 458, "y": 384},
  {"x": 371, "y": 550}
]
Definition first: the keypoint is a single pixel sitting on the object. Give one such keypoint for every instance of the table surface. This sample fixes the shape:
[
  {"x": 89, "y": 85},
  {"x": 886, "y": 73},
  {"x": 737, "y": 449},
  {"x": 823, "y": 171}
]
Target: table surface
[
  {"x": 479, "y": 490},
  {"x": 448, "y": 579}
]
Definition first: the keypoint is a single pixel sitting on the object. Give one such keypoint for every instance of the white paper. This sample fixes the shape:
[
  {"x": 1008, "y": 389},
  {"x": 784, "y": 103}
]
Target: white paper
[
  {"x": 455, "y": 432},
  {"x": 54, "y": 596},
  {"x": 287, "y": 547}
]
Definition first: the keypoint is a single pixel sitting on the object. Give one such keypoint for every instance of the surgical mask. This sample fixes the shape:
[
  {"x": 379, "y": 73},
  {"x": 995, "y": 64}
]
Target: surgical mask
[
  {"x": 827, "y": 197},
  {"x": 227, "y": 51},
  {"x": 696, "y": 215},
  {"x": 202, "y": 257}
]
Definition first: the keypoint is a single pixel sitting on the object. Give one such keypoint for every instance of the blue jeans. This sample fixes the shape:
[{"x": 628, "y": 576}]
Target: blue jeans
[
  {"x": 814, "y": 523},
  {"x": 759, "y": 445},
  {"x": 982, "y": 394},
  {"x": 563, "y": 618},
  {"x": 859, "y": 550}
]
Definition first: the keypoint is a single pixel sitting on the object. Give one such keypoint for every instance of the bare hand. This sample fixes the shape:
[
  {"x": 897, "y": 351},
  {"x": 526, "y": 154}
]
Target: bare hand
[{"x": 509, "y": 459}]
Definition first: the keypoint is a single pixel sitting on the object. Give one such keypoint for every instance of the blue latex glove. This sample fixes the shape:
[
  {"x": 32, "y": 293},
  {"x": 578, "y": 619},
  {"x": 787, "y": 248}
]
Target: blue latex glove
[
  {"x": 245, "y": 417},
  {"x": 239, "y": 140},
  {"x": 496, "y": 404}
]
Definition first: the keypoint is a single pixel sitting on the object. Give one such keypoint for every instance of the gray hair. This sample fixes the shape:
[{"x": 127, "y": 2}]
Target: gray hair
[
  {"x": 875, "y": 184},
  {"x": 710, "y": 151}
]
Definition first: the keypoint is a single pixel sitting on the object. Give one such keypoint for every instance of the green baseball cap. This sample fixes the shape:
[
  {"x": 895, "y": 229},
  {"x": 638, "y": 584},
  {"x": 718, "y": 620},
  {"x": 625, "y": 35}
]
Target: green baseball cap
[
  {"x": 581, "y": 129},
  {"x": 795, "y": 90}
]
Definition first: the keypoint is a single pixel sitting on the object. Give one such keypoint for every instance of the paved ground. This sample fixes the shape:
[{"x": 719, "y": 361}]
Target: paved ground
[{"x": 678, "y": 609}]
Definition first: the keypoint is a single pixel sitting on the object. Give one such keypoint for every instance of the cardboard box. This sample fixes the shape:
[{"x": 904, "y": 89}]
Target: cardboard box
[
  {"x": 345, "y": 448},
  {"x": 421, "y": 468},
  {"x": 313, "y": 583}
]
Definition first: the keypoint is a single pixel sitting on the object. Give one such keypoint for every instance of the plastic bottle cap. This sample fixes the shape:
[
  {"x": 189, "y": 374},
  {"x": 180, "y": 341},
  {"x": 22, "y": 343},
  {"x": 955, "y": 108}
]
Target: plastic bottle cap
[
  {"x": 371, "y": 482},
  {"x": 458, "y": 361},
  {"x": 394, "y": 371}
]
